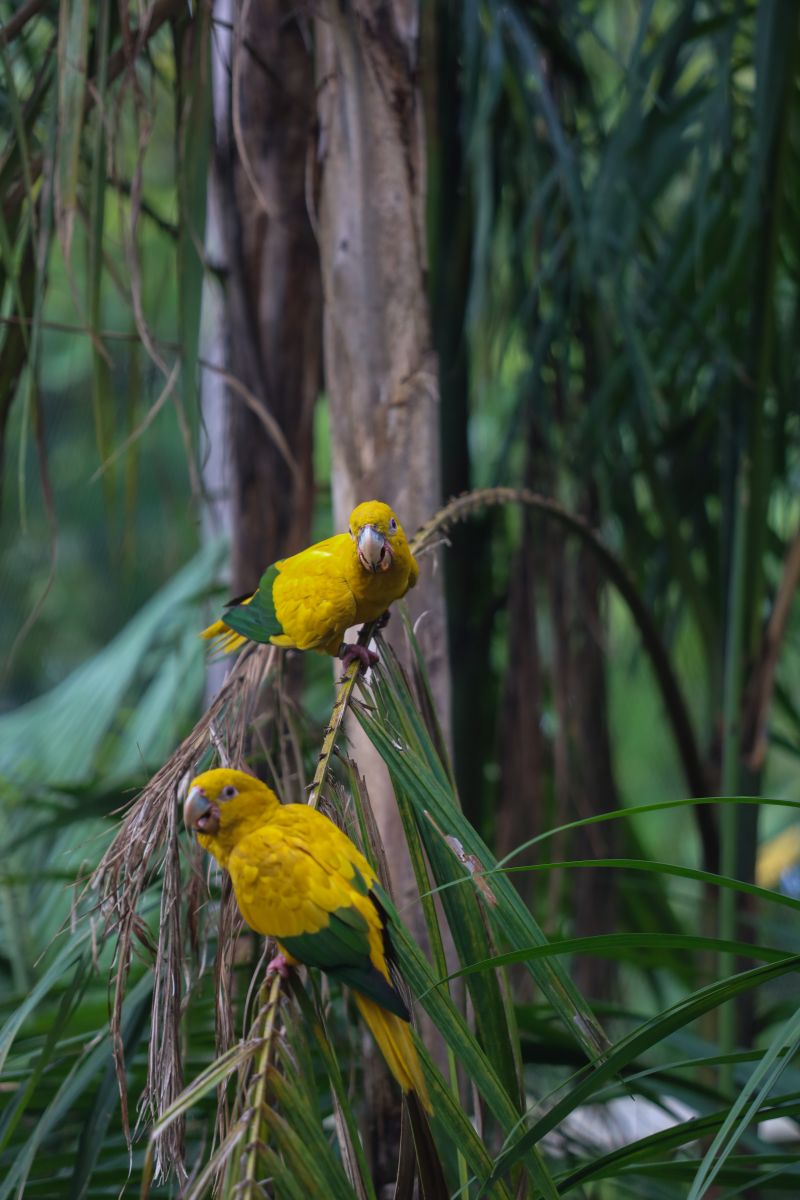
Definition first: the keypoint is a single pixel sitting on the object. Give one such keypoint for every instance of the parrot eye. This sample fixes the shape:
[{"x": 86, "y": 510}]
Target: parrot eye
[
  {"x": 228, "y": 792},
  {"x": 392, "y": 525}
]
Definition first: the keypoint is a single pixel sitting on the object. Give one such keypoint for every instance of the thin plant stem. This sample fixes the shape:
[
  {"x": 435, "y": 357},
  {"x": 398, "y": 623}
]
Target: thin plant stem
[
  {"x": 338, "y": 714},
  {"x": 731, "y": 730},
  {"x": 267, "y": 1020}
]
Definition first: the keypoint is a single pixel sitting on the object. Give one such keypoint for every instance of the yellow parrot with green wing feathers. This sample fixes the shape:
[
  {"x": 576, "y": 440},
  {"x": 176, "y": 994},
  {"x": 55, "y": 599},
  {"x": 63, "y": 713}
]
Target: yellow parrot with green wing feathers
[
  {"x": 307, "y": 601},
  {"x": 298, "y": 878}
]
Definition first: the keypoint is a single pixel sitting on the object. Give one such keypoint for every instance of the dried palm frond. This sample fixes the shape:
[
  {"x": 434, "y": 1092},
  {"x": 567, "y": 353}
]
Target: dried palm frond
[{"x": 147, "y": 842}]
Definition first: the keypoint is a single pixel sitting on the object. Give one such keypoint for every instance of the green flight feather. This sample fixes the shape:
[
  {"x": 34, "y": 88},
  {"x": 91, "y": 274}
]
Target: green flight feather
[
  {"x": 257, "y": 621},
  {"x": 370, "y": 983},
  {"x": 341, "y": 949},
  {"x": 344, "y": 941}
]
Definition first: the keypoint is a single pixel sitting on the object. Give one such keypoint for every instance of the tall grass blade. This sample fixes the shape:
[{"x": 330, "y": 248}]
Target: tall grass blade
[
  {"x": 466, "y": 919},
  {"x": 778, "y": 1055},
  {"x": 431, "y": 798},
  {"x": 78, "y": 1079},
  {"x": 435, "y": 999},
  {"x": 630, "y": 1047}
]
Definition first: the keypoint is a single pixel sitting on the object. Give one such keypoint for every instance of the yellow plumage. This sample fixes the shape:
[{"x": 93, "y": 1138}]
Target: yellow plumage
[
  {"x": 307, "y": 601},
  {"x": 299, "y": 879}
]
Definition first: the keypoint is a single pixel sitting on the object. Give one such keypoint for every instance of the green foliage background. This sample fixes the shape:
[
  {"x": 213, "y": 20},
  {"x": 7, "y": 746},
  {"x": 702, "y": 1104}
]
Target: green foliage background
[{"x": 614, "y": 287}]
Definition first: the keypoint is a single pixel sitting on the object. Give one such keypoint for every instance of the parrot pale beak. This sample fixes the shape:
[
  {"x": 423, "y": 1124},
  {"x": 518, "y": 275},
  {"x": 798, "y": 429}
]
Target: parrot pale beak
[
  {"x": 374, "y": 551},
  {"x": 199, "y": 814}
]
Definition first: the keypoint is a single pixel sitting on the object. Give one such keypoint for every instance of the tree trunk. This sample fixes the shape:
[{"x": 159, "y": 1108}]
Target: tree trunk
[
  {"x": 380, "y": 369},
  {"x": 264, "y": 335},
  {"x": 274, "y": 293},
  {"x": 469, "y": 578}
]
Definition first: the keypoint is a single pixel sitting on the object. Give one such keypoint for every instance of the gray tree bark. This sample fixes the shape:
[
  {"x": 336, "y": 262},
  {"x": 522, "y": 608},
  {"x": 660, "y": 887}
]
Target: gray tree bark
[{"x": 380, "y": 368}]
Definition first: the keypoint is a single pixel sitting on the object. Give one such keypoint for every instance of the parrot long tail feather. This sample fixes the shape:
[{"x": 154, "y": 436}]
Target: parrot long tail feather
[
  {"x": 395, "y": 1043},
  {"x": 225, "y": 640}
]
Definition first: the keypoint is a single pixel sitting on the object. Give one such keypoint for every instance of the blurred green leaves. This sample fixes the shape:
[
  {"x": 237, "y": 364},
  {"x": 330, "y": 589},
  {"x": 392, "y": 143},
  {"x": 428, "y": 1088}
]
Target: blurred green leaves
[
  {"x": 625, "y": 312},
  {"x": 142, "y": 687}
]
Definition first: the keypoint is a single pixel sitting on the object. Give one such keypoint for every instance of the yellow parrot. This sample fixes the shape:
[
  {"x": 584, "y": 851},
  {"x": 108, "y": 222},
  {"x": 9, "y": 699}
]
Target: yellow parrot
[
  {"x": 309, "y": 600},
  {"x": 299, "y": 879}
]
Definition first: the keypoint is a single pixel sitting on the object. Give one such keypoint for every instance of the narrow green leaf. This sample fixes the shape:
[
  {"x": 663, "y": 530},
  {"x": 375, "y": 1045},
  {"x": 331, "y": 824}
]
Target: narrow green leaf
[
  {"x": 533, "y": 60},
  {"x": 680, "y": 1134},
  {"x": 776, "y": 1058},
  {"x": 74, "y": 948},
  {"x": 49, "y": 739},
  {"x": 77, "y": 1081},
  {"x": 649, "y": 866},
  {"x": 436, "y": 1001},
  {"x": 23, "y": 123},
  {"x": 353, "y": 1149},
  {"x": 451, "y": 1117},
  {"x": 73, "y": 48},
  {"x": 215, "y": 1074},
  {"x": 13, "y": 274},
  {"x": 54, "y": 1042},
  {"x": 512, "y": 920},
  {"x": 106, "y": 1100},
  {"x": 368, "y": 830},
  {"x": 611, "y": 944},
  {"x": 302, "y": 1143},
  {"x": 626, "y": 1050}
]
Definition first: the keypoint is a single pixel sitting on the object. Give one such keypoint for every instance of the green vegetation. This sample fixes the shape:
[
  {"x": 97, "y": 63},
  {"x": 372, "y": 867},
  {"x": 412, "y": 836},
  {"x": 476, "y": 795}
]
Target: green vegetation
[{"x": 613, "y": 247}]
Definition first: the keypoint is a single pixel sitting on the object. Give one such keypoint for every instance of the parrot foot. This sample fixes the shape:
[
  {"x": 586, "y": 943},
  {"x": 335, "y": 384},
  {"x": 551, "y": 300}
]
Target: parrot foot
[
  {"x": 351, "y": 651},
  {"x": 278, "y": 966},
  {"x": 383, "y": 620}
]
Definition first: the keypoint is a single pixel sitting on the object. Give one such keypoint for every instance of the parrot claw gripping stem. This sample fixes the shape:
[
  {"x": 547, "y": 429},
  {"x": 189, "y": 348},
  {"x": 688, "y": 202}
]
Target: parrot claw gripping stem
[
  {"x": 352, "y": 651},
  {"x": 278, "y": 966}
]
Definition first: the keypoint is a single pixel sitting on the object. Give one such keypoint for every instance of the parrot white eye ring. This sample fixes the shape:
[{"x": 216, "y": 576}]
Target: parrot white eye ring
[
  {"x": 392, "y": 525},
  {"x": 228, "y": 792}
]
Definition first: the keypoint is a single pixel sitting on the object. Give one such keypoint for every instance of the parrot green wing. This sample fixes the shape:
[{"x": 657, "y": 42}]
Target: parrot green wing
[
  {"x": 341, "y": 949},
  {"x": 256, "y": 620},
  {"x": 301, "y": 880}
]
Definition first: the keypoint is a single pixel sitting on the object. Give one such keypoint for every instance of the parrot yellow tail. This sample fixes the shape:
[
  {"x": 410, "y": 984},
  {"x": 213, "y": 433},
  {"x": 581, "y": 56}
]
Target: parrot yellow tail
[
  {"x": 225, "y": 640},
  {"x": 395, "y": 1043}
]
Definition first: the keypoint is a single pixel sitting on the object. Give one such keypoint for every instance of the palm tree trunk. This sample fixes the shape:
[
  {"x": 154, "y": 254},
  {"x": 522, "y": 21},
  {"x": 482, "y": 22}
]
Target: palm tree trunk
[{"x": 380, "y": 368}]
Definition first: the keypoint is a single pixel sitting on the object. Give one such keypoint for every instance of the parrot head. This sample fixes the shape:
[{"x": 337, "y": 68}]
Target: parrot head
[
  {"x": 222, "y": 806},
  {"x": 377, "y": 534}
]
